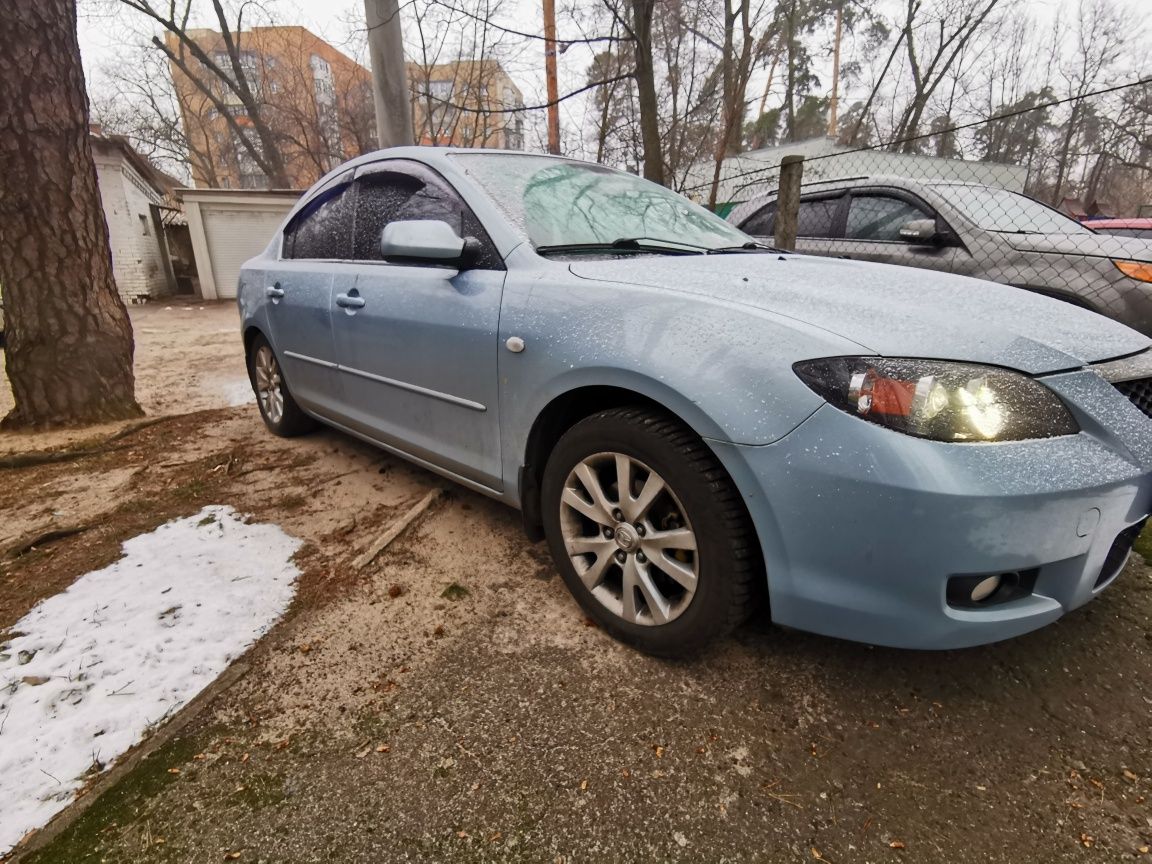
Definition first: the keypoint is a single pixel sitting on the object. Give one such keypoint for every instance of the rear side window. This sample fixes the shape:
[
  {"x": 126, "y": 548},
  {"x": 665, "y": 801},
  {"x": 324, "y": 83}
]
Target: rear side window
[
  {"x": 323, "y": 229},
  {"x": 408, "y": 191},
  {"x": 880, "y": 217}
]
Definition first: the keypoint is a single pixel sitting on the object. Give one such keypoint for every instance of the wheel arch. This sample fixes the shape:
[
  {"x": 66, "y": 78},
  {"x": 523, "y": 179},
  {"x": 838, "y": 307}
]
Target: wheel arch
[{"x": 568, "y": 408}]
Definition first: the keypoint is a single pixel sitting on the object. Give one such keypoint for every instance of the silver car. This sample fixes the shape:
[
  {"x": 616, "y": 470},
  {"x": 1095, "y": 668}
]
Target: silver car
[{"x": 972, "y": 230}]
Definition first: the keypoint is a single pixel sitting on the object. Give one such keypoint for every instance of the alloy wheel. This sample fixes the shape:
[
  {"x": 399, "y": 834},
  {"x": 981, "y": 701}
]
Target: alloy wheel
[
  {"x": 269, "y": 384},
  {"x": 629, "y": 538}
]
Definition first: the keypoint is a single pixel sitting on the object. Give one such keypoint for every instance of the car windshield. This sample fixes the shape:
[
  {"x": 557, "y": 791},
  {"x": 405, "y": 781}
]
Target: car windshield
[
  {"x": 562, "y": 203},
  {"x": 1008, "y": 212}
]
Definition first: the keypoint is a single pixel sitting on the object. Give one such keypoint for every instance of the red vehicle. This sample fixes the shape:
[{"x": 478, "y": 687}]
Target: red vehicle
[{"x": 1122, "y": 227}]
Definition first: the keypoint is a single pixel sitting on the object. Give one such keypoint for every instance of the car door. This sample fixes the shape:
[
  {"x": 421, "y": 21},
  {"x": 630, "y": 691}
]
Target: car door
[
  {"x": 817, "y": 225},
  {"x": 299, "y": 289},
  {"x": 417, "y": 344},
  {"x": 872, "y": 230}
]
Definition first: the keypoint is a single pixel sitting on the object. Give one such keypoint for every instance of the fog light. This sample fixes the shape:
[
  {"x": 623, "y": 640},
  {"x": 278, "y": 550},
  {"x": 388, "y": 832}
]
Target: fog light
[{"x": 984, "y": 589}]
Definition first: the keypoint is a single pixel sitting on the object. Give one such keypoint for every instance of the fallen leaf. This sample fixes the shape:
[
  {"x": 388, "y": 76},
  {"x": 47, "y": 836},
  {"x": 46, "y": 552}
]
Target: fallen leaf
[
  {"x": 35, "y": 680},
  {"x": 173, "y": 770},
  {"x": 244, "y": 758},
  {"x": 1087, "y": 839},
  {"x": 896, "y": 844},
  {"x": 583, "y": 785},
  {"x": 384, "y": 748},
  {"x": 659, "y": 750},
  {"x": 1130, "y": 776},
  {"x": 231, "y": 856},
  {"x": 1143, "y": 850},
  {"x": 1096, "y": 783},
  {"x": 816, "y": 854},
  {"x": 495, "y": 837}
]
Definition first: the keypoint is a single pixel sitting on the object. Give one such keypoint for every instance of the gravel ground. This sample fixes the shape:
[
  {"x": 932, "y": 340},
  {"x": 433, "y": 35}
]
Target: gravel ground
[{"x": 449, "y": 702}]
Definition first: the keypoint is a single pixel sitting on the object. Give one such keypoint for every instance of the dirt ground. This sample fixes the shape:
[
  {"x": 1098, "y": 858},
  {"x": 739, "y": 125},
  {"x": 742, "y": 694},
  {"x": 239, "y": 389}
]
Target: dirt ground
[{"x": 449, "y": 702}]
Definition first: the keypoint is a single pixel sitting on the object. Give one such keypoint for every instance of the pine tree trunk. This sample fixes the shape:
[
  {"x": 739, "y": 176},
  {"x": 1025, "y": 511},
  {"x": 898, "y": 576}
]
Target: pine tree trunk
[
  {"x": 69, "y": 340},
  {"x": 642, "y": 11}
]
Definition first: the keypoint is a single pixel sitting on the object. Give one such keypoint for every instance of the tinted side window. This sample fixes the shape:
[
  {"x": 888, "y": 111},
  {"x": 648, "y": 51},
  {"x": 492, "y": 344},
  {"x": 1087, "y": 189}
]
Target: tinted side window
[
  {"x": 762, "y": 223},
  {"x": 817, "y": 217},
  {"x": 379, "y": 199},
  {"x": 413, "y": 193},
  {"x": 323, "y": 229},
  {"x": 879, "y": 217}
]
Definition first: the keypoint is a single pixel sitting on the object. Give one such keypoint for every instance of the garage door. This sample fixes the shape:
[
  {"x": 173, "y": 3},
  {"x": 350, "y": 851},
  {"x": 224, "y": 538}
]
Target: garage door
[{"x": 234, "y": 236}]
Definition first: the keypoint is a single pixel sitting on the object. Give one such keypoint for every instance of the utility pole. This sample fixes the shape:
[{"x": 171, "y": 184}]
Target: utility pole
[
  {"x": 389, "y": 75},
  {"x": 550, "y": 75},
  {"x": 834, "y": 102}
]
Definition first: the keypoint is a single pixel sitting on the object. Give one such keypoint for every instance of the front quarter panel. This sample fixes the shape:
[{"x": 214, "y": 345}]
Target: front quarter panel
[{"x": 722, "y": 368}]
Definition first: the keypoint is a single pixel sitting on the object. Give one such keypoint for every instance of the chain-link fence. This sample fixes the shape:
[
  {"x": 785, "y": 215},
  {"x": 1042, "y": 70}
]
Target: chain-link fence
[{"x": 1054, "y": 198}]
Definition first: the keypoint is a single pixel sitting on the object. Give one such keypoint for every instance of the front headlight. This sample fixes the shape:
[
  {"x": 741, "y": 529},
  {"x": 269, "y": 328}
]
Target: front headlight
[{"x": 938, "y": 400}]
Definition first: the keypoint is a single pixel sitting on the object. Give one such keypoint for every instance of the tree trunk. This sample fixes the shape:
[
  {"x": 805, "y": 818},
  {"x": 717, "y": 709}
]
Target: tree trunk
[
  {"x": 69, "y": 339},
  {"x": 646, "y": 91}
]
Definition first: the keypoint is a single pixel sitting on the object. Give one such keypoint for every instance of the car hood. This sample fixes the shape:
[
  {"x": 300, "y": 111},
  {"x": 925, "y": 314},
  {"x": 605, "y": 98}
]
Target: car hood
[
  {"x": 1092, "y": 245},
  {"x": 890, "y": 310}
]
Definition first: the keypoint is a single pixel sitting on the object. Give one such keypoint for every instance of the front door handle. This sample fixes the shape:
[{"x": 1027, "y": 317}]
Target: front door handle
[
  {"x": 274, "y": 291},
  {"x": 349, "y": 301}
]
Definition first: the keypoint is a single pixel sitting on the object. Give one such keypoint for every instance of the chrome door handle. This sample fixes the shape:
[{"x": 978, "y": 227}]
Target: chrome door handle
[
  {"x": 348, "y": 301},
  {"x": 275, "y": 292}
]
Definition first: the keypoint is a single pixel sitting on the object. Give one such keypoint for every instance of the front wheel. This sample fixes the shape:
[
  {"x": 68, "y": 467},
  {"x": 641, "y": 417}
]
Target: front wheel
[
  {"x": 279, "y": 410},
  {"x": 649, "y": 532}
]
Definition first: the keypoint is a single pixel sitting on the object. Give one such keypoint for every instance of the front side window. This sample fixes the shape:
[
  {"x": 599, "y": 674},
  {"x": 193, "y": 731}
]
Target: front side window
[
  {"x": 407, "y": 191},
  {"x": 762, "y": 223},
  {"x": 817, "y": 217},
  {"x": 559, "y": 202},
  {"x": 1007, "y": 212},
  {"x": 323, "y": 229},
  {"x": 880, "y": 217}
]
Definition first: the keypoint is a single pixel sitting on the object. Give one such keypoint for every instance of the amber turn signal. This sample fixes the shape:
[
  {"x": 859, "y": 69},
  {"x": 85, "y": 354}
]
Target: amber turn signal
[{"x": 1135, "y": 270}]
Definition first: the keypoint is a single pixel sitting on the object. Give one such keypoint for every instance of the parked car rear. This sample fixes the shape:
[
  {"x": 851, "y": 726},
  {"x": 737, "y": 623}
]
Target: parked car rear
[{"x": 972, "y": 230}]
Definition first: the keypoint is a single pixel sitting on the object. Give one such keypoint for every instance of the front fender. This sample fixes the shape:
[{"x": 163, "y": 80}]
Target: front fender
[{"x": 725, "y": 369}]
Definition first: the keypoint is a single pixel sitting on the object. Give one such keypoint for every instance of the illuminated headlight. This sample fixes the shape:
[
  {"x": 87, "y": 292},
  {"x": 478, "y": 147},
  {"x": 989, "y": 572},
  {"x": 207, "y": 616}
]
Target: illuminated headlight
[{"x": 938, "y": 400}]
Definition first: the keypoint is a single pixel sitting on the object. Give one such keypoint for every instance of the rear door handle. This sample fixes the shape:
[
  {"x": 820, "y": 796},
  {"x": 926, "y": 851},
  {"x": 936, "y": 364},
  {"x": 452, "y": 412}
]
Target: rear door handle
[
  {"x": 275, "y": 291},
  {"x": 349, "y": 301}
]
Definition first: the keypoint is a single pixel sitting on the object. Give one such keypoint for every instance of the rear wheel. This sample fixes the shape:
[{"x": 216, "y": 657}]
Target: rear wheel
[
  {"x": 649, "y": 532},
  {"x": 281, "y": 414}
]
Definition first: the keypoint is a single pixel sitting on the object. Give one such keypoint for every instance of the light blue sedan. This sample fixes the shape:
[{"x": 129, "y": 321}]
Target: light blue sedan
[{"x": 694, "y": 421}]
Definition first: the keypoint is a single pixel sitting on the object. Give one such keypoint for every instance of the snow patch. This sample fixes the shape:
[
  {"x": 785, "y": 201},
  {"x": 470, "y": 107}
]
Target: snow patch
[
  {"x": 238, "y": 392},
  {"x": 88, "y": 671}
]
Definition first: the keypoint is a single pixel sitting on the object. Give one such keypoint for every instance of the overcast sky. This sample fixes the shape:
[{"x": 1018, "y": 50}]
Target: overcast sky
[{"x": 104, "y": 30}]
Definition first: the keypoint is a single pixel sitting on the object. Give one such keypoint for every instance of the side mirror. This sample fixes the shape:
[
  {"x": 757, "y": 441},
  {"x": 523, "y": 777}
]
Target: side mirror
[
  {"x": 921, "y": 232},
  {"x": 427, "y": 241}
]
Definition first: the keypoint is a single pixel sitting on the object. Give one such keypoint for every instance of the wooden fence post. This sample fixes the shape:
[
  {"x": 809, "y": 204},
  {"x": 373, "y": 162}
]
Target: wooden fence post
[{"x": 788, "y": 202}]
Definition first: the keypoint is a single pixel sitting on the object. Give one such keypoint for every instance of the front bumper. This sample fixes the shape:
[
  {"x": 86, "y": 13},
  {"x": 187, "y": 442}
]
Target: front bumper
[{"x": 862, "y": 527}]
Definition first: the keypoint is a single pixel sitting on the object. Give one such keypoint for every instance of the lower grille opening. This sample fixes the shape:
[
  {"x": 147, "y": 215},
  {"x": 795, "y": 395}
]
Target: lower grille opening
[
  {"x": 1139, "y": 393},
  {"x": 1118, "y": 554}
]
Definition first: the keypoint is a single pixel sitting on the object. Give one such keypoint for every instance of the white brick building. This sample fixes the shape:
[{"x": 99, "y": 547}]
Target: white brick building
[{"x": 133, "y": 194}]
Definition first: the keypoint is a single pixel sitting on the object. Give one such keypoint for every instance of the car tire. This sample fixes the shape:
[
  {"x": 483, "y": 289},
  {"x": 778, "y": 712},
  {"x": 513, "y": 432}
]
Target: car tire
[
  {"x": 278, "y": 409},
  {"x": 626, "y": 559}
]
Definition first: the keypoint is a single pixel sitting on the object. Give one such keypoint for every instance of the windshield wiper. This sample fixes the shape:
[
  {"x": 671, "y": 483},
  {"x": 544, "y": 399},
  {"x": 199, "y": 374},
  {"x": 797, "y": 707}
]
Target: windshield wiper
[
  {"x": 750, "y": 246},
  {"x": 627, "y": 244}
]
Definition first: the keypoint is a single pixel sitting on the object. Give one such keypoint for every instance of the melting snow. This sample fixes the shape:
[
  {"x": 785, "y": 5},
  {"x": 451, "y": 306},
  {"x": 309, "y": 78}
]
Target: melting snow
[{"x": 88, "y": 671}]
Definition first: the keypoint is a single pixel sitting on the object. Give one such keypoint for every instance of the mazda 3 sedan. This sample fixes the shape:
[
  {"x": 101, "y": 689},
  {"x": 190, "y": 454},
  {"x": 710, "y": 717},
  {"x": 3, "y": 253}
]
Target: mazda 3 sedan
[{"x": 695, "y": 421}]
